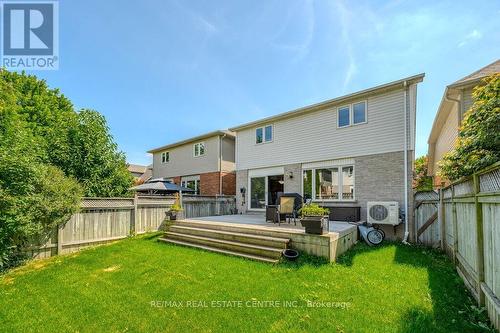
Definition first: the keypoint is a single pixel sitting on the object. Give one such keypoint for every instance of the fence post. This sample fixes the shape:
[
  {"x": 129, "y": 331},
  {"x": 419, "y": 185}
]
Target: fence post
[
  {"x": 59, "y": 239},
  {"x": 133, "y": 226},
  {"x": 479, "y": 237},
  {"x": 442, "y": 219},
  {"x": 454, "y": 223}
]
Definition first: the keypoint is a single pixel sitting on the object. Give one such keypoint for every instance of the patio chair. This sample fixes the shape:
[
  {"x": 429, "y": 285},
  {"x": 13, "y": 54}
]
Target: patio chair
[{"x": 288, "y": 207}]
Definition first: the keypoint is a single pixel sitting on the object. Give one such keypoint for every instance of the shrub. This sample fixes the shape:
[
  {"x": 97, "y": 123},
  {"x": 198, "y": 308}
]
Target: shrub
[
  {"x": 478, "y": 144},
  {"x": 313, "y": 210},
  {"x": 421, "y": 181}
]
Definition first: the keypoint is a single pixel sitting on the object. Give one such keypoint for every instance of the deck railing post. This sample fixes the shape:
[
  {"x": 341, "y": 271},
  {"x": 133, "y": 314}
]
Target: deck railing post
[{"x": 479, "y": 238}]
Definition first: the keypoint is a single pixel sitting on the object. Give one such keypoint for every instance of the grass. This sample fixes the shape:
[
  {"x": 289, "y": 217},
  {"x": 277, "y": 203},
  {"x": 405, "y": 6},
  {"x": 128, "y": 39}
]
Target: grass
[{"x": 111, "y": 288}]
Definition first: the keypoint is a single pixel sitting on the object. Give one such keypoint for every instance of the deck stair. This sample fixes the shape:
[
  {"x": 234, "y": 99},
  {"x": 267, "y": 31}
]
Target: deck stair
[{"x": 245, "y": 242}]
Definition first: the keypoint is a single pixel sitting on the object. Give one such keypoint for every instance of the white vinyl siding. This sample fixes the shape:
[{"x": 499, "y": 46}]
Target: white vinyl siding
[
  {"x": 315, "y": 136},
  {"x": 447, "y": 137},
  {"x": 182, "y": 162}
]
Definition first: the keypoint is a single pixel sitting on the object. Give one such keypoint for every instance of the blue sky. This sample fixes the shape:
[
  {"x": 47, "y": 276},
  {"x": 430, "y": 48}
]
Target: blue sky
[{"x": 161, "y": 71}]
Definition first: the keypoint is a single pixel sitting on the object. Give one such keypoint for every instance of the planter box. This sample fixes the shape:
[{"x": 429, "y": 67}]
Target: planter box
[{"x": 316, "y": 225}]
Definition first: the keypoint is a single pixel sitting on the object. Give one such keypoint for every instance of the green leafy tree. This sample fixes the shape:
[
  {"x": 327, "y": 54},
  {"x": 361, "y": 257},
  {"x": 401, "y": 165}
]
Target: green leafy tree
[
  {"x": 478, "y": 144},
  {"x": 77, "y": 143},
  {"x": 421, "y": 181},
  {"x": 96, "y": 161},
  {"x": 34, "y": 196},
  {"x": 50, "y": 156}
]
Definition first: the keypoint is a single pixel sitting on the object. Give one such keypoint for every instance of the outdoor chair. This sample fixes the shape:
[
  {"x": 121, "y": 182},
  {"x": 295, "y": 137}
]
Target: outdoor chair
[{"x": 288, "y": 208}]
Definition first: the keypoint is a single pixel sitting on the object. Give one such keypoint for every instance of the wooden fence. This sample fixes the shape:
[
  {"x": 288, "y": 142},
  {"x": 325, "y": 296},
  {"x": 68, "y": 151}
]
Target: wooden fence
[
  {"x": 467, "y": 227},
  {"x": 103, "y": 220},
  {"x": 198, "y": 206}
]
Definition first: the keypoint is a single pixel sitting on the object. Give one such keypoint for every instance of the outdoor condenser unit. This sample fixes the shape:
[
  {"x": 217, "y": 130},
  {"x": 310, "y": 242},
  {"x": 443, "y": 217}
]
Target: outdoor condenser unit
[{"x": 383, "y": 212}]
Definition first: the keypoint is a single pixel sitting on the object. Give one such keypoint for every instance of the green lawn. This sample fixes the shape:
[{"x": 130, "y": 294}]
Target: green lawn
[{"x": 111, "y": 288}]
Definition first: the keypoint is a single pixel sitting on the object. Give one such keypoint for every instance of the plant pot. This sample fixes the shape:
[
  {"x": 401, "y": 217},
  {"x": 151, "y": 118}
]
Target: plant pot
[
  {"x": 175, "y": 215},
  {"x": 290, "y": 254},
  {"x": 316, "y": 225}
]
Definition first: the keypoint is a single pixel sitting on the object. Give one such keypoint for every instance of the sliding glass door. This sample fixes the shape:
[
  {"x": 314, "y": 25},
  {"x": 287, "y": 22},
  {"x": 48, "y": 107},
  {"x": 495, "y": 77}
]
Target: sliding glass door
[{"x": 258, "y": 193}]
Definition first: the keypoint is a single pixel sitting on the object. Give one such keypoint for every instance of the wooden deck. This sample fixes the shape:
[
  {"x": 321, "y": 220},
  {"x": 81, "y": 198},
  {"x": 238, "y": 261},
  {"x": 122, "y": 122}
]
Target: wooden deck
[{"x": 341, "y": 236}]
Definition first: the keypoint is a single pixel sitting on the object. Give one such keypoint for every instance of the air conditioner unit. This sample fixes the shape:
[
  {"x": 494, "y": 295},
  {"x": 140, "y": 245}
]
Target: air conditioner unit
[{"x": 383, "y": 212}]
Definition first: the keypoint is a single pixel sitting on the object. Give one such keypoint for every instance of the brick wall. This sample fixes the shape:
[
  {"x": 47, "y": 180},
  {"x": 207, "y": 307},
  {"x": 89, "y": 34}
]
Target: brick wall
[
  {"x": 209, "y": 183},
  {"x": 229, "y": 183}
]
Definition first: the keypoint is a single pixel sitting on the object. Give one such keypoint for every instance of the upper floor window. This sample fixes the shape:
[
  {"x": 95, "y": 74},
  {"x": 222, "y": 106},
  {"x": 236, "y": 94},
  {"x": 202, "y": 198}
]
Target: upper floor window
[
  {"x": 199, "y": 149},
  {"x": 264, "y": 134},
  {"x": 352, "y": 114},
  {"x": 165, "y": 157}
]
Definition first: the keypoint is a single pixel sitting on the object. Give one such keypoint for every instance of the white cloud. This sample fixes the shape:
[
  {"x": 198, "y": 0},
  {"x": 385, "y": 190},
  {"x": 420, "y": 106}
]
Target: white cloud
[{"x": 473, "y": 35}]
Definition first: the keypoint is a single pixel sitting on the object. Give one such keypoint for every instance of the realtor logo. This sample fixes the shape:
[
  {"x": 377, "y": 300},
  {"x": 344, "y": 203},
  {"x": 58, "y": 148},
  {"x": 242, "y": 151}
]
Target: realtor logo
[{"x": 29, "y": 35}]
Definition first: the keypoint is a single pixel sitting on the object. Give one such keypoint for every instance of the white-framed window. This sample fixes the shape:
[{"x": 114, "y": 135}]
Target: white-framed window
[
  {"x": 334, "y": 183},
  {"x": 264, "y": 134},
  {"x": 165, "y": 157},
  {"x": 199, "y": 149},
  {"x": 352, "y": 114},
  {"x": 192, "y": 182}
]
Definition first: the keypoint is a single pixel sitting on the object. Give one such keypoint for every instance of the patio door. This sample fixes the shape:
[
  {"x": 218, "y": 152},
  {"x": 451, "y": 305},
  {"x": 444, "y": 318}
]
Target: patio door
[{"x": 264, "y": 190}]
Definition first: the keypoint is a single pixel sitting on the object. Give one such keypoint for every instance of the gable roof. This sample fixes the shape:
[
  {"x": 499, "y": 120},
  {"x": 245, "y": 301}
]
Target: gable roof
[
  {"x": 193, "y": 139},
  {"x": 490, "y": 69},
  {"x": 136, "y": 168},
  {"x": 411, "y": 79}
]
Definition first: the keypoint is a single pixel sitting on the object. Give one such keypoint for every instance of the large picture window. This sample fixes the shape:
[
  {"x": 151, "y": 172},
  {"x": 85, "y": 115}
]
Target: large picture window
[{"x": 334, "y": 183}]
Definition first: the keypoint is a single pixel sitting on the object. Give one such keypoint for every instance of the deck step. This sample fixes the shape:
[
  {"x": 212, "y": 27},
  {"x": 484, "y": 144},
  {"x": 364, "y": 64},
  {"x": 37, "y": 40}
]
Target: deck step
[
  {"x": 218, "y": 250},
  {"x": 243, "y": 247},
  {"x": 240, "y": 237},
  {"x": 245, "y": 229}
]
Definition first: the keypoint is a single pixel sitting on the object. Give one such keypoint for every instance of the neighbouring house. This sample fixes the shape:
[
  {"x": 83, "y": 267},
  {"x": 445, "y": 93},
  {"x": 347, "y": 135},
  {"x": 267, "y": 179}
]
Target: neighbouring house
[
  {"x": 204, "y": 163},
  {"x": 341, "y": 152},
  {"x": 457, "y": 99},
  {"x": 141, "y": 173}
]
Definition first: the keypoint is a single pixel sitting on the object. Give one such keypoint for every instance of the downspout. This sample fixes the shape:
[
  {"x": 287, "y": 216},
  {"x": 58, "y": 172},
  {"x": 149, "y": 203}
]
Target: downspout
[
  {"x": 407, "y": 233},
  {"x": 220, "y": 162}
]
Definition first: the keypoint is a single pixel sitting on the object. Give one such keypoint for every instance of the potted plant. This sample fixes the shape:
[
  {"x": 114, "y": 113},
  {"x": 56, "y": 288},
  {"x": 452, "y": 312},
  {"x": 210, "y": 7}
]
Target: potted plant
[
  {"x": 175, "y": 211},
  {"x": 314, "y": 218}
]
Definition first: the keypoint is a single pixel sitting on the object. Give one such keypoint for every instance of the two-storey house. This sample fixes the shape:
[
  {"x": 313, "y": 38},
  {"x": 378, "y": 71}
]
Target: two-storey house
[
  {"x": 345, "y": 151},
  {"x": 204, "y": 163}
]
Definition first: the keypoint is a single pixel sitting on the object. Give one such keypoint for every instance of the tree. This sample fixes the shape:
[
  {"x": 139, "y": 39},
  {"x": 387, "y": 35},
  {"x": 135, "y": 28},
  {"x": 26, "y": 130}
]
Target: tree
[
  {"x": 77, "y": 143},
  {"x": 50, "y": 156},
  {"x": 478, "y": 143},
  {"x": 421, "y": 181},
  {"x": 96, "y": 161},
  {"x": 34, "y": 197}
]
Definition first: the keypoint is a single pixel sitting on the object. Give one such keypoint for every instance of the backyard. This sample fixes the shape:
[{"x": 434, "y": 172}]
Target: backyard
[{"x": 139, "y": 284}]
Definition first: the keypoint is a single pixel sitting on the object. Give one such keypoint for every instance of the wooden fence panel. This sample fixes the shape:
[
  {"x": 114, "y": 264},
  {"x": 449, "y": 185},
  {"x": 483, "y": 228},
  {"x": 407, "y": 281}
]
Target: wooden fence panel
[
  {"x": 102, "y": 220},
  {"x": 199, "y": 206},
  {"x": 471, "y": 217},
  {"x": 432, "y": 234}
]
